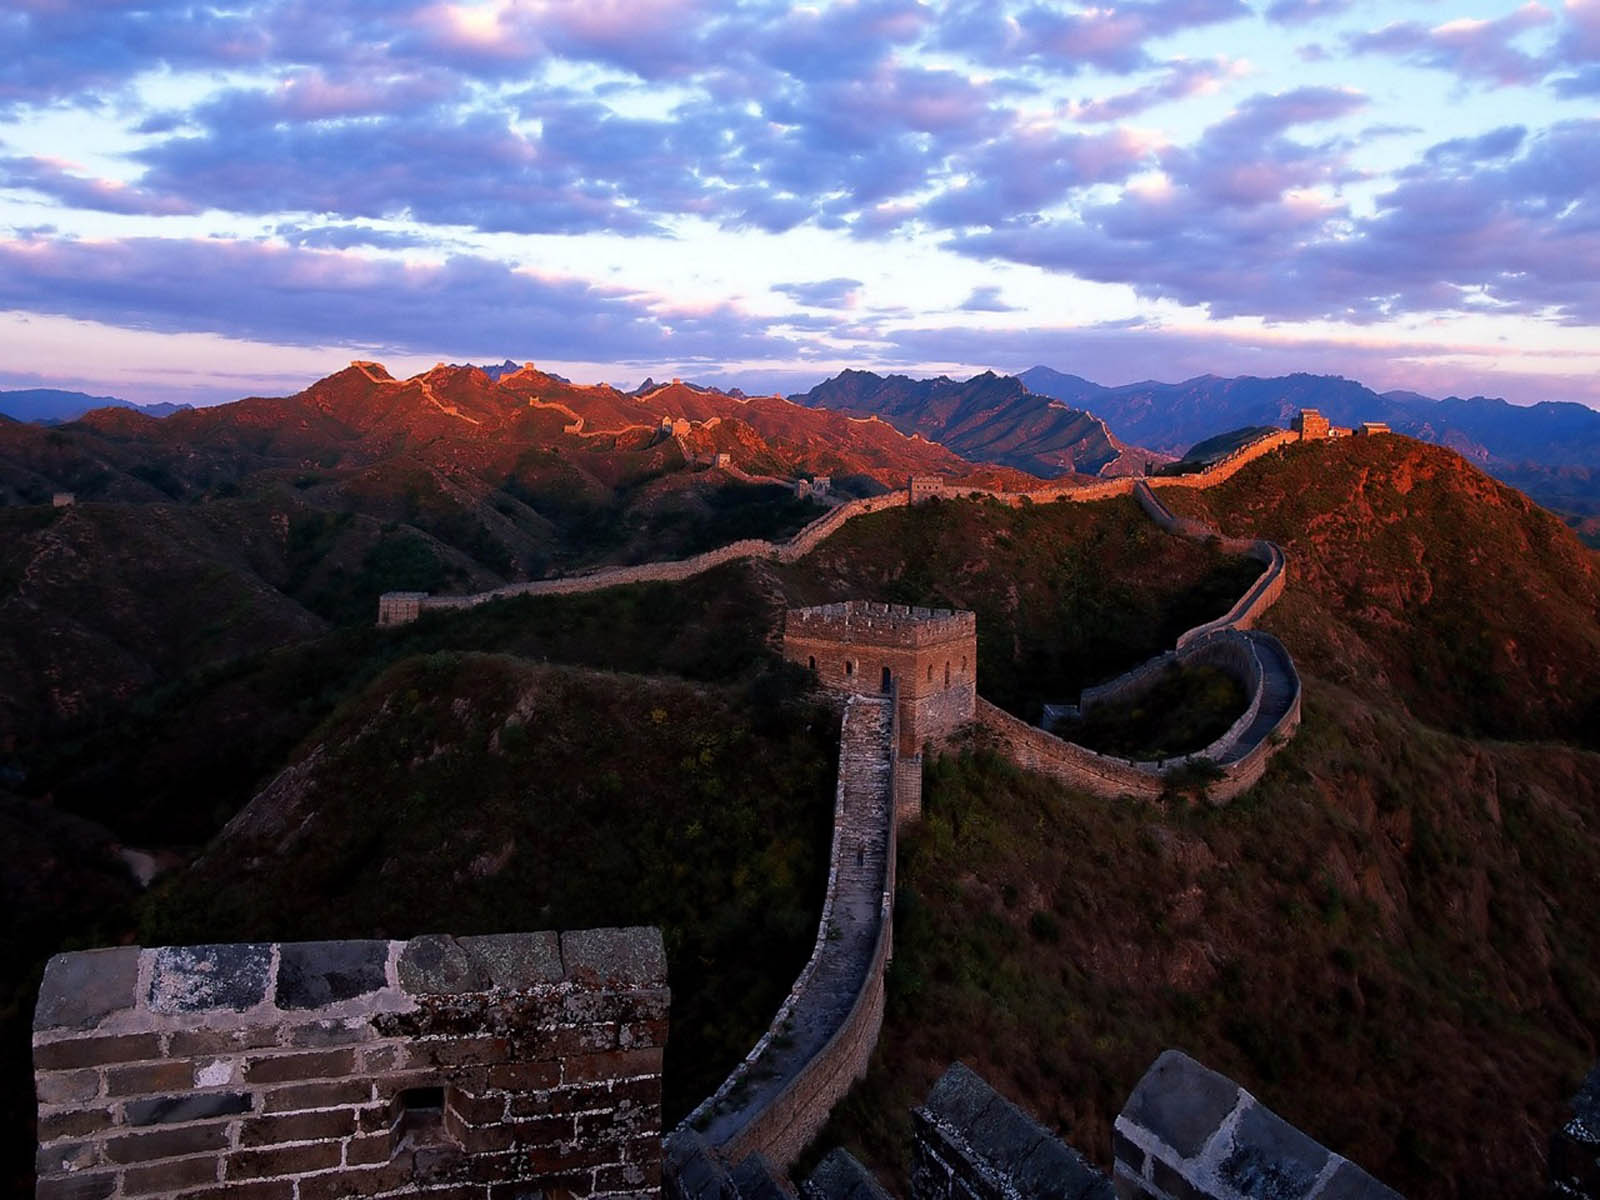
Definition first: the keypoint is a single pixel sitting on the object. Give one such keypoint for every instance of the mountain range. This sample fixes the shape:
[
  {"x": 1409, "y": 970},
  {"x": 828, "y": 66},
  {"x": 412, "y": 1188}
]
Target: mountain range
[
  {"x": 51, "y": 405},
  {"x": 1549, "y": 450}
]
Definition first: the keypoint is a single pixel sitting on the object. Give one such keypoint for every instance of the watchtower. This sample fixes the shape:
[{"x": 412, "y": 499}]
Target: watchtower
[
  {"x": 930, "y": 655},
  {"x": 1310, "y": 424}
]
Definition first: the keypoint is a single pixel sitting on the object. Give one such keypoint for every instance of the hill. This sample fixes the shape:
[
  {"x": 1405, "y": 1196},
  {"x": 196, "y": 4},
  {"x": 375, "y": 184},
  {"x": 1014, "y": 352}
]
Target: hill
[
  {"x": 1549, "y": 450},
  {"x": 50, "y": 405},
  {"x": 988, "y": 418},
  {"x": 1389, "y": 940}
]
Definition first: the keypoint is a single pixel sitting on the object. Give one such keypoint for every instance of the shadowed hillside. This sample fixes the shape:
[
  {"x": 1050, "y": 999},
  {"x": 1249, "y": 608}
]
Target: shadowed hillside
[{"x": 1414, "y": 576}]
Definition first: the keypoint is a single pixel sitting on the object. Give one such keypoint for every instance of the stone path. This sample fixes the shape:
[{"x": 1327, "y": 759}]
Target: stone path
[{"x": 1281, "y": 685}]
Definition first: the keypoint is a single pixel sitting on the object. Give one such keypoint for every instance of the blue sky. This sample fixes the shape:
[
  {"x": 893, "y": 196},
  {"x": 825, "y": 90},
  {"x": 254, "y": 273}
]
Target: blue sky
[{"x": 199, "y": 202}]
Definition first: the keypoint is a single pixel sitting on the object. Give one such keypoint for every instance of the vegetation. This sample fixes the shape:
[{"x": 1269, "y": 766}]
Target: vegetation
[
  {"x": 1366, "y": 940},
  {"x": 479, "y": 794},
  {"x": 1185, "y": 710}
]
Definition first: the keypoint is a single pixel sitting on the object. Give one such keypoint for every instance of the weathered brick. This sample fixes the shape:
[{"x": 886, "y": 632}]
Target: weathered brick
[
  {"x": 368, "y": 1151},
  {"x": 266, "y": 1189},
  {"x": 525, "y": 1076},
  {"x": 618, "y": 1124},
  {"x": 340, "y": 1184},
  {"x": 286, "y": 1068},
  {"x": 541, "y": 1130},
  {"x": 54, "y": 1126},
  {"x": 193, "y": 1106},
  {"x": 476, "y": 1110},
  {"x": 167, "y": 1177},
  {"x": 96, "y": 1051},
  {"x": 192, "y": 1043},
  {"x": 584, "y": 1039},
  {"x": 374, "y": 1118},
  {"x": 377, "y": 1059},
  {"x": 81, "y": 988},
  {"x": 145, "y": 1078},
  {"x": 66, "y": 1156},
  {"x": 639, "y": 1176},
  {"x": 82, "y": 1185},
  {"x": 319, "y": 1034},
  {"x": 281, "y": 1160},
  {"x": 166, "y": 1143},
  {"x": 638, "y": 1034},
  {"x": 611, "y": 1064},
  {"x": 627, "y": 956},
  {"x": 317, "y": 1095},
  {"x": 298, "y": 1127},
  {"x": 578, "y": 1097},
  {"x": 450, "y": 1052},
  {"x": 316, "y": 974},
  {"x": 572, "y": 1185},
  {"x": 66, "y": 1087},
  {"x": 588, "y": 1008},
  {"x": 646, "y": 1089},
  {"x": 199, "y": 978}
]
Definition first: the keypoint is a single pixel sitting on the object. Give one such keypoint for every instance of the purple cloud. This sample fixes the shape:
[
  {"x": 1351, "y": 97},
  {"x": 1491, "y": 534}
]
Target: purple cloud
[
  {"x": 1183, "y": 78},
  {"x": 1299, "y": 12},
  {"x": 824, "y": 293},
  {"x": 1110, "y": 37},
  {"x": 1471, "y": 49},
  {"x": 986, "y": 298},
  {"x": 55, "y": 180},
  {"x": 466, "y": 306}
]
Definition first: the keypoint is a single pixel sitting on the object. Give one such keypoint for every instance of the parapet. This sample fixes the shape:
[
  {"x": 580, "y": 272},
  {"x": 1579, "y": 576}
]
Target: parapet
[
  {"x": 356, "y": 1067},
  {"x": 1575, "y": 1147},
  {"x": 867, "y": 622},
  {"x": 1188, "y": 1133},
  {"x": 974, "y": 1144}
]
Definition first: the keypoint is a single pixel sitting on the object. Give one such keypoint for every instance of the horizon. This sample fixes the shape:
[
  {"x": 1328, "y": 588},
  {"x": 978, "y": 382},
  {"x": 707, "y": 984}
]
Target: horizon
[{"x": 198, "y": 208}]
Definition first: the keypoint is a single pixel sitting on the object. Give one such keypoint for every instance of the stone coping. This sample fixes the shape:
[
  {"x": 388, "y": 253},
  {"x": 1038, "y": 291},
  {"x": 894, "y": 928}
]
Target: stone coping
[{"x": 132, "y": 989}]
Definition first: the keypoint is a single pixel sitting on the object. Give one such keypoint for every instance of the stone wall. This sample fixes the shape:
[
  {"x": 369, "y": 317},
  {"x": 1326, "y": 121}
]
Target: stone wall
[
  {"x": 305, "y": 1070},
  {"x": 973, "y": 1144},
  {"x": 1188, "y": 1133},
  {"x": 819, "y": 1042}
]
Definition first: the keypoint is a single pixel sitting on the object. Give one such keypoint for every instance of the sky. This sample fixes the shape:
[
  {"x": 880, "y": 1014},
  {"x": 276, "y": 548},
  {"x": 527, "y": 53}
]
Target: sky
[{"x": 204, "y": 201}]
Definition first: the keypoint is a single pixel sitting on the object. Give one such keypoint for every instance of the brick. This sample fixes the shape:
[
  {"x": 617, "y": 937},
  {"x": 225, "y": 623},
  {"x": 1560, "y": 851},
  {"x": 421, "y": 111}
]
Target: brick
[
  {"x": 588, "y": 1008},
  {"x": 369, "y": 1151},
  {"x": 87, "y": 1185},
  {"x": 436, "y": 964},
  {"x": 540, "y": 1130},
  {"x": 66, "y": 1087},
  {"x": 340, "y": 1184},
  {"x": 620, "y": 956},
  {"x": 475, "y": 1110},
  {"x": 149, "y": 1077},
  {"x": 646, "y": 1089},
  {"x": 374, "y": 1119},
  {"x": 65, "y": 1157},
  {"x": 611, "y": 1064},
  {"x": 96, "y": 1051},
  {"x": 638, "y": 1034},
  {"x": 628, "y": 1177},
  {"x": 168, "y": 1177},
  {"x": 194, "y": 1106},
  {"x": 281, "y": 1160},
  {"x": 377, "y": 1059},
  {"x": 288, "y": 1068},
  {"x": 266, "y": 1189},
  {"x": 579, "y": 1097},
  {"x": 525, "y": 1076},
  {"x": 298, "y": 1127},
  {"x": 55, "y": 1126},
  {"x": 450, "y": 1052},
  {"x": 619, "y": 1123},
  {"x": 516, "y": 961},
  {"x": 333, "y": 1094},
  {"x": 319, "y": 1034},
  {"x": 166, "y": 1143},
  {"x": 569, "y": 1186},
  {"x": 192, "y": 1043},
  {"x": 584, "y": 1039}
]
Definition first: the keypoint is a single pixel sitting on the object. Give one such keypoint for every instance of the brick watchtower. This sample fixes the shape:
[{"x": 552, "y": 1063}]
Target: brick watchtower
[{"x": 860, "y": 646}]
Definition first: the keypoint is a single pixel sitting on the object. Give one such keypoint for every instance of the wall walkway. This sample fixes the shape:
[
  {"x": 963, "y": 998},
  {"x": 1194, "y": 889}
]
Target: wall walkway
[{"x": 819, "y": 1043}]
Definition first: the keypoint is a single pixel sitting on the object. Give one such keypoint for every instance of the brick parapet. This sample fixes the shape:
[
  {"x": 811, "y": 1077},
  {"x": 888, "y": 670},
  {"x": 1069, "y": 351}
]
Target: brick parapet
[
  {"x": 1188, "y": 1133},
  {"x": 865, "y": 622},
  {"x": 457, "y": 1065},
  {"x": 1575, "y": 1147}
]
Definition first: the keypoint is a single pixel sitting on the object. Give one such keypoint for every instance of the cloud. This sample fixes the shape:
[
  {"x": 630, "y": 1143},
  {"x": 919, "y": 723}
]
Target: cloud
[
  {"x": 64, "y": 184},
  {"x": 1108, "y": 37},
  {"x": 1469, "y": 48},
  {"x": 1300, "y": 12},
  {"x": 464, "y": 306},
  {"x": 986, "y": 298},
  {"x": 1183, "y": 78},
  {"x": 824, "y": 293}
]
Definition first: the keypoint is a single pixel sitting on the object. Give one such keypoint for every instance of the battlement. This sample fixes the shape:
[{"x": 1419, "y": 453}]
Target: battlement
[{"x": 869, "y": 623}]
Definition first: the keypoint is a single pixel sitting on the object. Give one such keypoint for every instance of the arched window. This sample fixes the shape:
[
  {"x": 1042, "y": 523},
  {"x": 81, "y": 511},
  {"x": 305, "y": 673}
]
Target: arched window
[
  {"x": 888, "y": 680},
  {"x": 963, "y": 664},
  {"x": 812, "y": 662},
  {"x": 930, "y": 672},
  {"x": 849, "y": 667},
  {"x": 947, "y": 674}
]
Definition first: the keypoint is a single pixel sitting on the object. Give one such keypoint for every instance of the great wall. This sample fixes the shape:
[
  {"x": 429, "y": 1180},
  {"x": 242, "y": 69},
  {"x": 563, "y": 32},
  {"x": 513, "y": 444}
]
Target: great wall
[{"x": 529, "y": 1065}]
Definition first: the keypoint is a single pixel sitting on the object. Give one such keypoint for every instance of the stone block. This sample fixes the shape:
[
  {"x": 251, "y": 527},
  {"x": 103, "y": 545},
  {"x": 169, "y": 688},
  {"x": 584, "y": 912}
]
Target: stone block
[
  {"x": 1181, "y": 1102},
  {"x": 516, "y": 960},
  {"x": 840, "y": 1177},
  {"x": 959, "y": 1097},
  {"x": 1350, "y": 1182},
  {"x": 317, "y": 974},
  {"x": 81, "y": 989},
  {"x": 95, "y": 1051},
  {"x": 189, "y": 979},
  {"x": 633, "y": 957},
  {"x": 291, "y": 1068},
  {"x": 1271, "y": 1159},
  {"x": 435, "y": 964}
]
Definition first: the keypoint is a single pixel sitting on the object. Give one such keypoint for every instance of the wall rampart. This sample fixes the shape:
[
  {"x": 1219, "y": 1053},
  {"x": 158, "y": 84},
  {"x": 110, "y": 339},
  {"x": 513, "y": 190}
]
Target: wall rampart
[
  {"x": 819, "y": 1042},
  {"x": 1188, "y": 1133},
  {"x": 304, "y": 1070}
]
